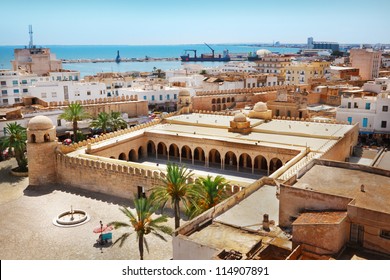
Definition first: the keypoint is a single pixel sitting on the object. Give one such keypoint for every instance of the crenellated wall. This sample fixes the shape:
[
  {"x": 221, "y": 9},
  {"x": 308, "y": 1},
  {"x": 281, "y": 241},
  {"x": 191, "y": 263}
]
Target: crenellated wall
[{"x": 104, "y": 177}]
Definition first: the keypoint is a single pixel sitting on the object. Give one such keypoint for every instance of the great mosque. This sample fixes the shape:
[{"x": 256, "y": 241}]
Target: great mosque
[{"x": 253, "y": 145}]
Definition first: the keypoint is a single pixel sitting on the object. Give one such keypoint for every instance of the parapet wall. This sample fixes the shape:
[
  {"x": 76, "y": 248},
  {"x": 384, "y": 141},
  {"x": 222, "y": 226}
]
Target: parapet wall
[
  {"x": 244, "y": 90},
  {"x": 103, "y": 177},
  {"x": 122, "y": 98}
]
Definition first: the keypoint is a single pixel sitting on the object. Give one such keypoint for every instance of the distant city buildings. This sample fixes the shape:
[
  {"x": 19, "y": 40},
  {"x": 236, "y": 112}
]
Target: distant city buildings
[{"x": 333, "y": 46}]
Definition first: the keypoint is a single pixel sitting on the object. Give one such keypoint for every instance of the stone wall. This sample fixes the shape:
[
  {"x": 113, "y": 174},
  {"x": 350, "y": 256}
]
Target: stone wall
[
  {"x": 103, "y": 177},
  {"x": 294, "y": 201}
]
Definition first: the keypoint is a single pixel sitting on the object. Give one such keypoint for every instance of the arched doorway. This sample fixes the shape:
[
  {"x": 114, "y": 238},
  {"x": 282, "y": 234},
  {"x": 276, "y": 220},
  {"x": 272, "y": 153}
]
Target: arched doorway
[
  {"x": 174, "y": 154},
  {"x": 214, "y": 158},
  {"x": 199, "y": 156},
  {"x": 274, "y": 165},
  {"x": 162, "y": 151},
  {"x": 140, "y": 153},
  {"x": 230, "y": 161},
  {"x": 245, "y": 163},
  {"x": 186, "y": 153},
  {"x": 122, "y": 156},
  {"x": 132, "y": 155},
  {"x": 213, "y": 108},
  {"x": 260, "y": 165},
  {"x": 151, "y": 149}
]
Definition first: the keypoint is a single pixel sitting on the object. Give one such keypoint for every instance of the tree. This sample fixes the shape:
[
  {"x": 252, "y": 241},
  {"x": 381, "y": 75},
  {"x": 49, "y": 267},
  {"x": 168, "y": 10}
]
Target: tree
[
  {"x": 74, "y": 113},
  {"x": 210, "y": 192},
  {"x": 102, "y": 122},
  {"x": 143, "y": 223},
  {"x": 117, "y": 121},
  {"x": 15, "y": 139},
  {"x": 175, "y": 187}
]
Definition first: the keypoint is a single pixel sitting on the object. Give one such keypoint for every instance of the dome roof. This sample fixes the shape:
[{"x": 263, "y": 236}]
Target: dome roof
[
  {"x": 40, "y": 123},
  {"x": 184, "y": 93},
  {"x": 263, "y": 52},
  {"x": 260, "y": 107},
  {"x": 240, "y": 117}
]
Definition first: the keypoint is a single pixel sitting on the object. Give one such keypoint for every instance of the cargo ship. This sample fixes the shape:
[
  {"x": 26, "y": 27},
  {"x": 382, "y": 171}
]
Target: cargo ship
[{"x": 205, "y": 57}]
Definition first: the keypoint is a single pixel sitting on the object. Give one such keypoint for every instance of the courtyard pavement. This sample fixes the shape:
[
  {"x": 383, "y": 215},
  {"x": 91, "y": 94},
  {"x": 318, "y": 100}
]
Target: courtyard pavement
[{"x": 27, "y": 231}]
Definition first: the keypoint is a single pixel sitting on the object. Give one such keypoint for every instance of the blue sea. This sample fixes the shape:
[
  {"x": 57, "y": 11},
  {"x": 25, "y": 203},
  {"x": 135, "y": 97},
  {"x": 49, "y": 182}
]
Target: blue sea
[{"x": 152, "y": 51}]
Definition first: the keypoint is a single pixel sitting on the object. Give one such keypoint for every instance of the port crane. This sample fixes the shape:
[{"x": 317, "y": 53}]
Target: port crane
[{"x": 212, "y": 50}]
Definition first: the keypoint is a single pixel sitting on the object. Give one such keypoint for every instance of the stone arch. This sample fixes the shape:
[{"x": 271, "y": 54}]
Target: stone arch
[
  {"x": 224, "y": 107},
  {"x": 162, "y": 151},
  {"x": 132, "y": 155},
  {"x": 174, "y": 152},
  {"x": 151, "y": 148},
  {"x": 219, "y": 107},
  {"x": 186, "y": 153},
  {"x": 232, "y": 99},
  {"x": 213, "y": 101},
  {"x": 122, "y": 156},
  {"x": 228, "y": 100},
  {"x": 140, "y": 152},
  {"x": 218, "y": 100},
  {"x": 274, "y": 164},
  {"x": 261, "y": 163},
  {"x": 223, "y": 100},
  {"x": 46, "y": 137},
  {"x": 245, "y": 162},
  {"x": 230, "y": 160},
  {"x": 199, "y": 156},
  {"x": 214, "y": 157},
  {"x": 213, "y": 108},
  {"x": 33, "y": 138}
]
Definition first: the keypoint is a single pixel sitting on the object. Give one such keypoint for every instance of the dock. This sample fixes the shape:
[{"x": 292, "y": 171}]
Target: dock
[{"x": 103, "y": 60}]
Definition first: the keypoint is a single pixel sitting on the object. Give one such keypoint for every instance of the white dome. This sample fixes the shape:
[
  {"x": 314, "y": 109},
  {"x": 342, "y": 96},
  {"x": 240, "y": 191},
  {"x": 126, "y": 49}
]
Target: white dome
[
  {"x": 40, "y": 123},
  {"x": 263, "y": 52},
  {"x": 240, "y": 117},
  {"x": 260, "y": 107}
]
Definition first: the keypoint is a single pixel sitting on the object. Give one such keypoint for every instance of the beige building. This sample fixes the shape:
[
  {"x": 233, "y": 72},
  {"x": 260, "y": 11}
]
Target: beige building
[
  {"x": 36, "y": 60},
  {"x": 303, "y": 73},
  {"x": 367, "y": 61},
  {"x": 275, "y": 64}
]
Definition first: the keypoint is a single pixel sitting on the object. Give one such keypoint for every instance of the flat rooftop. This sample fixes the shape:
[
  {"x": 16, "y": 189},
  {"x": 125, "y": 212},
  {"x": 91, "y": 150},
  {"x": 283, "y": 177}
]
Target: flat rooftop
[
  {"x": 310, "y": 218},
  {"x": 347, "y": 183}
]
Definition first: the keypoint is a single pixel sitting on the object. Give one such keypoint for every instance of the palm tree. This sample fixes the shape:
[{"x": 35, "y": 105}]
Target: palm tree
[
  {"x": 117, "y": 121},
  {"x": 143, "y": 223},
  {"x": 74, "y": 113},
  {"x": 175, "y": 187},
  {"x": 102, "y": 122},
  {"x": 15, "y": 139},
  {"x": 210, "y": 193}
]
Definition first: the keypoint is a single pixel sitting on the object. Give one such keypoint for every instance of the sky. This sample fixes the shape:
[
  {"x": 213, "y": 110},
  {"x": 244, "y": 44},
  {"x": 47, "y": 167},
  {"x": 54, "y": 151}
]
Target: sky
[{"x": 165, "y": 22}]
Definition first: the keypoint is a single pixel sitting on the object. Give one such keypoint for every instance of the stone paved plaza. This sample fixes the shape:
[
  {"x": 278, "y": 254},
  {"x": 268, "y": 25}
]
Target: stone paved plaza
[{"x": 27, "y": 231}]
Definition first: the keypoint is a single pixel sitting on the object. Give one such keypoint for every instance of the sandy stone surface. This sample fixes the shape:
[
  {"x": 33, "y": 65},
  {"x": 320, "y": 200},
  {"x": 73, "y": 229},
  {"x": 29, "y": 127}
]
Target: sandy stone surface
[{"x": 27, "y": 230}]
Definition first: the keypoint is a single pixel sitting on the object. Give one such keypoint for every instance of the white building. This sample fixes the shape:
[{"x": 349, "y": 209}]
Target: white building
[
  {"x": 371, "y": 112},
  {"x": 56, "y": 91},
  {"x": 14, "y": 85},
  {"x": 239, "y": 67},
  {"x": 155, "y": 95},
  {"x": 377, "y": 86}
]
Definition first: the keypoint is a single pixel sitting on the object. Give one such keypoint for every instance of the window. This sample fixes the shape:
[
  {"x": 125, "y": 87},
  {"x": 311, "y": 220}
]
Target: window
[
  {"x": 384, "y": 124},
  {"x": 58, "y": 78},
  {"x": 5, "y": 101},
  {"x": 43, "y": 94},
  {"x": 145, "y": 97},
  {"x": 17, "y": 100},
  {"x": 350, "y": 120},
  {"x": 88, "y": 92},
  {"x": 385, "y": 108},
  {"x": 161, "y": 97},
  {"x": 365, "y": 121},
  {"x": 3, "y": 83},
  {"x": 385, "y": 234},
  {"x": 53, "y": 94},
  {"x": 4, "y": 92},
  {"x": 24, "y": 82},
  {"x": 152, "y": 97},
  {"x": 355, "y": 105},
  {"x": 168, "y": 97},
  {"x": 175, "y": 96},
  {"x": 349, "y": 105},
  {"x": 368, "y": 106},
  {"x": 58, "y": 122},
  {"x": 15, "y": 83},
  {"x": 16, "y": 90}
]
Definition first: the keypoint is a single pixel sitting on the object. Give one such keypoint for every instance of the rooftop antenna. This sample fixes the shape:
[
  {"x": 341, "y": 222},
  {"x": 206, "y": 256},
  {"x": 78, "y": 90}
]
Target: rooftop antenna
[{"x": 30, "y": 45}]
